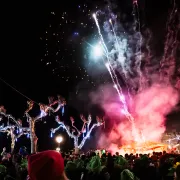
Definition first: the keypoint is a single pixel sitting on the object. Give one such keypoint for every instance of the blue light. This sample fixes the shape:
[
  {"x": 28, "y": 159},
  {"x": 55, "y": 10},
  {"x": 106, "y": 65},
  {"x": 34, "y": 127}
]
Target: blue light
[
  {"x": 62, "y": 110},
  {"x": 51, "y": 135},
  {"x": 76, "y": 33}
]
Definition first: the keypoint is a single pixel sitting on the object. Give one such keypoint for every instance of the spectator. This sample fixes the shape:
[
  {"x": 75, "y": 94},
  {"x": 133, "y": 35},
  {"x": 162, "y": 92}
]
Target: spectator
[{"x": 47, "y": 165}]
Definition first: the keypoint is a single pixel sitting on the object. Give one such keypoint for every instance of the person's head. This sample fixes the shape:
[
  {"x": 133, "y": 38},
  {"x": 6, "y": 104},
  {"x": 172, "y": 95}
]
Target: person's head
[
  {"x": 47, "y": 165},
  {"x": 128, "y": 175}
]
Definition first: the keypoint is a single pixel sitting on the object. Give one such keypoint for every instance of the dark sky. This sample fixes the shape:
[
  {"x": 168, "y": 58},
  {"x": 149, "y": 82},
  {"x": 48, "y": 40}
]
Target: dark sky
[{"x": 42, "y": 46}]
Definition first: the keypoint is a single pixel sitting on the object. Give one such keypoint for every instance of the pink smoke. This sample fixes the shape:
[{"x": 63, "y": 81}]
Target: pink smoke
[{"x": 149, "y": 109}]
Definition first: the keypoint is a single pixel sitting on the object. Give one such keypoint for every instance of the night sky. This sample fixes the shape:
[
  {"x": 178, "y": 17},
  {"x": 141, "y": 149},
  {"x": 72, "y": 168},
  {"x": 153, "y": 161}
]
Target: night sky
[{"x": 43, "y": 49}]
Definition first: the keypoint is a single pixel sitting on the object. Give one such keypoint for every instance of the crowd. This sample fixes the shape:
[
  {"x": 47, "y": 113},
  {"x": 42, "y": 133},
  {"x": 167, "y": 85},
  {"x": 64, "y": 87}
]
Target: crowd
[{"x": 52, "y": 165}]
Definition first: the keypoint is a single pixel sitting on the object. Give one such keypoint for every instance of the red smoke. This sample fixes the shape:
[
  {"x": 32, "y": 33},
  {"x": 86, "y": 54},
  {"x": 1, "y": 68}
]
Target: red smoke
[{"x": 149, "y": 108}]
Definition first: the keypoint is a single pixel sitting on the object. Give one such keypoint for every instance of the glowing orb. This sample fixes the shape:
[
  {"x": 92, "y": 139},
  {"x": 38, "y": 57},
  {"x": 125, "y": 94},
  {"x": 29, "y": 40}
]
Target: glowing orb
[
  {"x": 59, "y": 139},
  {"x": 58, "y": 149},
  {"x": 98, "y": 51}
]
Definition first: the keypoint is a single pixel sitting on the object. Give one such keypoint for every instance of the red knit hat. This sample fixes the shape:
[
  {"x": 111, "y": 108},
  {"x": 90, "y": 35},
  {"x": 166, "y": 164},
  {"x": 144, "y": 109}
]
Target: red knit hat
[{"x": 47, "y": 165}]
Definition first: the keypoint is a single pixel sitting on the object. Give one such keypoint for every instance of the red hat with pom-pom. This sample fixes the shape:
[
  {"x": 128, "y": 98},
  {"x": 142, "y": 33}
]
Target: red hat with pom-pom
[{"x": 45, "y": 165}]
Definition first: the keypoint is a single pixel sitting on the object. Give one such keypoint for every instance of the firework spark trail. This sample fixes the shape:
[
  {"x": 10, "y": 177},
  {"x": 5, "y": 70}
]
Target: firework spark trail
[
  {"x": 135, "y": 133},
  {"x": 167, "y": 64},
  {"x": 139, "y": 59},
  {"x": 117, "y": 86},
  {"x": 149, "y": 105},
  {"x": 105, "y": 48},
  {"x": 126, "y": 112},
  {"x": 99, "y": 30},
  {"x": 109, "y": 67},
  {"x": 118, "y": 46},
  {"x": 119, "y": 91},
  {"x": 107, "y": 54},
  {"x": 122, "y": 63}
]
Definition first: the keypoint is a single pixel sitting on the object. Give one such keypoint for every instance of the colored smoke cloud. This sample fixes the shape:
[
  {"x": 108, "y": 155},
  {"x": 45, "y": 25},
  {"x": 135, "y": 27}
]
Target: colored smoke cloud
[{"x": 149, "y": 108}]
